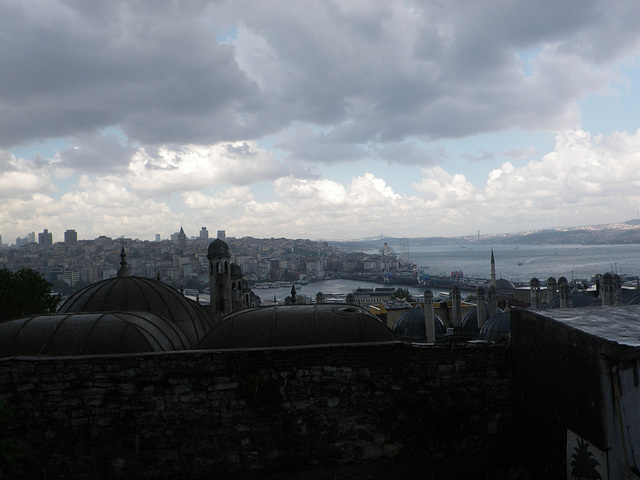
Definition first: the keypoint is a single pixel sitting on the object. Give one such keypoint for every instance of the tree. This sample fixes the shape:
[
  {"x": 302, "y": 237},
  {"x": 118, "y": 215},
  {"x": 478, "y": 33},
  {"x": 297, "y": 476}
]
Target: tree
[
  {"x": 402, "y": 294},
  {"x": 25, "y": 292}
]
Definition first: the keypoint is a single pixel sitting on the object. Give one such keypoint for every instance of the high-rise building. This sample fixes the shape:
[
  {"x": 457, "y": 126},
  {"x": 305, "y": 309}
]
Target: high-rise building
[
  {"x": 32, "y": 237},
  {"x": 204, "y": 233},
  {"x": 221, "y": 234},
  {"x": 157, "y": 237},
  {"x": 70, "y": 236},
  {"x": 45, "y": 238}
]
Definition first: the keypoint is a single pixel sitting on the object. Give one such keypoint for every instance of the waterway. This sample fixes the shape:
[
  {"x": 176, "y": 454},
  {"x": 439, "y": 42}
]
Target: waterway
[{"x": 516, "y": 263}]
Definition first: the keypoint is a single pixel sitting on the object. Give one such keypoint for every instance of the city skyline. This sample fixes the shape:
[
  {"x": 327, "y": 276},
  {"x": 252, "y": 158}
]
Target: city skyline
[{"x": 331, "y": 120}]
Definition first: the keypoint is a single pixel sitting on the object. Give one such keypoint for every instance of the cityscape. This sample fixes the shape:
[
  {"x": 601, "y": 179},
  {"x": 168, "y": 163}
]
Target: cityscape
[{"x": 342, "y": 240}]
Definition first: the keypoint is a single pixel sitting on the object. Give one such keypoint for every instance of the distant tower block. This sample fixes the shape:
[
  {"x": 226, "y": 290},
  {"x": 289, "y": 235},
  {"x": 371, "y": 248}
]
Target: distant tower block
[
  {"x": 70, "y": 236},
  {"x": 157, "y": 237},
  {"x": 221, "y": 235},
  {"x": 204, "y": 233}
]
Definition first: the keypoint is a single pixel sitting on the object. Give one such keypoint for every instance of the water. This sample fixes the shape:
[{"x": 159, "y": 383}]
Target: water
[
  {"x": 520, "y": 263},
  {"x": 516, "y": 263}
]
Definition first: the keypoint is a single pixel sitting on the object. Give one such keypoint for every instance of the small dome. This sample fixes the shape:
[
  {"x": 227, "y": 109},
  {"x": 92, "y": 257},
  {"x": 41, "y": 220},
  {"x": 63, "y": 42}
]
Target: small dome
[
  {"x": 64, "y": 334},
  {"x": 295, "y": 325},
  {"x": 470, "y": 319},
  {"x": 410, "y": 326},
  {"x": 236, "y": 271},
  {"x": 504, "y": 287},
  {"x": 495, "y": 327},
  {"x": 218, "y": 248},
  {"x": 137, "y": 294}
]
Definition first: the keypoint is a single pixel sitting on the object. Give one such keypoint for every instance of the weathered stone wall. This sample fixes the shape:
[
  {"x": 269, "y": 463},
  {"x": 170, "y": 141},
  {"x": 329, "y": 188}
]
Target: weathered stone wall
[{"x": 225, "y": 412}]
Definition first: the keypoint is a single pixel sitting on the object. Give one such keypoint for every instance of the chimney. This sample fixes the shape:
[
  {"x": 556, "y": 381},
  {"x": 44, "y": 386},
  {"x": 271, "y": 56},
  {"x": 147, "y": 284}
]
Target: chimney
[
  {"x": 608, "y": 294},
  {"x": 552, "y": 289},
  {"x": 565, "y": 295},
  {"x": 534, "y": 285},
  {"x": 481, "y": 308},
  {"x": 456, "y": 307},
  {"x": 429, "y": 317},
  {"x": 492, "y": 300}
]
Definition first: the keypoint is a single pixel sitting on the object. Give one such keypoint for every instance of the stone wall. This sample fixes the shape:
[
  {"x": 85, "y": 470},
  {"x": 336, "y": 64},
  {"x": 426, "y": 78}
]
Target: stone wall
[{"x": 231, "y": 412}]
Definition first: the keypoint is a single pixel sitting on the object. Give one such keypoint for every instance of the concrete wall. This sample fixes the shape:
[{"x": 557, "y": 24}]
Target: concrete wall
[{"x": 224, "y": 412}]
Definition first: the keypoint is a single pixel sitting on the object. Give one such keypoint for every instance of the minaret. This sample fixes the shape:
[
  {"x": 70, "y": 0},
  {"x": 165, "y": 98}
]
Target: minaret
[
  {"x": 493, "y": 269},
  {"x": 219, "y": 279},
  {"x": 565, "y": 295}
]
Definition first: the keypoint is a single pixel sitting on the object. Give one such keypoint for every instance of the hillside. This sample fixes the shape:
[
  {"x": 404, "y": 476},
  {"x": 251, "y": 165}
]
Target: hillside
[{"x": 611, "y": 234}]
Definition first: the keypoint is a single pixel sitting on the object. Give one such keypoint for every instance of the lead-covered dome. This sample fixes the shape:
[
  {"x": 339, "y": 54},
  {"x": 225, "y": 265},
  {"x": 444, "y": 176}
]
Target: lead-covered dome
[
  {"x": 107, "y": 333},
  {"x": 296, "y": 325},
  {"x": 218, "y": 248},
  {"x": 411, "y": 326},
  {"x": 137, "y": 294}
]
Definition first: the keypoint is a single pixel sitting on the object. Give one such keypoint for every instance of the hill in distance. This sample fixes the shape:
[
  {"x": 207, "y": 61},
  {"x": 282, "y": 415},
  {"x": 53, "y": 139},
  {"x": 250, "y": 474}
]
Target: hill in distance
[{"x": 610, "y": 234}]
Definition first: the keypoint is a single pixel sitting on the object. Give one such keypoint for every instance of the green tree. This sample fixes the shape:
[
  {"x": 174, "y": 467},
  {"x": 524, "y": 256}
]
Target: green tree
[
  {"x": 25, "y": 292},
  {"x": 402, "y": 294}
]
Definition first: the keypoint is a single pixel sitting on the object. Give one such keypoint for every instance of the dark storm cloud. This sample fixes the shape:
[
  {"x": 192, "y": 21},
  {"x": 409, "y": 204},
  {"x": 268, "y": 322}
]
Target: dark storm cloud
[
  {"x": 339, "y": 80},
  {"x": 158, "y": 73}
]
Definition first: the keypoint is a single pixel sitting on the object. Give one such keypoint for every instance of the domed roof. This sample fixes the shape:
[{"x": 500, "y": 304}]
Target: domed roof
[
  {"x": 294, "y": 325},
  {"x": 89, "y": 334},
  {"x": 236, "y": 271},
  {"x": 504, "y": 287},
  {"x": 410, "y": 326},
  {"x": 495, "y": 327},
  {"x": 579, "y": 298},
  {"x": 218, "y": 248},
  {"x": 470, "y": 319},
  {"x": 137, "y": 294}
]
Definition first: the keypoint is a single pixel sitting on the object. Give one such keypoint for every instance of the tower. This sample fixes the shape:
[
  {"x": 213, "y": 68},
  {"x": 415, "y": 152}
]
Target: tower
[
  {"x": 182, "y": 239},
  {"x": 219, "y": 279}
]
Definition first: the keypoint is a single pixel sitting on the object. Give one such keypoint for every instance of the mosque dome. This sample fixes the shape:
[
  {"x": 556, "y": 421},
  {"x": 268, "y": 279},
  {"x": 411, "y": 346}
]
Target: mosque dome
[
  {"x": 236, "y": 271},
  {"x": 127, "y": 293},
  {"x": 504, "y": 287},
  {"x": 65, "y": 334},
  {"x": 218, "y": 248},
  {"x": 410, "y": 326},
  {"x": 497, "y": 326},
  {"x": 295, "y": 325},
  {"x": 579, "y": 298},
  {"x": 470, "y": 319}
]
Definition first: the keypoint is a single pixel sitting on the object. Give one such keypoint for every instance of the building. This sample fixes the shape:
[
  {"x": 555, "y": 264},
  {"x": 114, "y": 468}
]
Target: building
[
  {"x": 70, "y": 236},
  {"x": 45, "y": 238},
  {"x": 204, "y": 234},
  {"x": 221, "y": 235},
  {"x": 576, "y": 390}
]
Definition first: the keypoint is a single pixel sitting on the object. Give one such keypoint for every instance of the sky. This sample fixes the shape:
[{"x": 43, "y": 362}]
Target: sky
[{"x": 315, "y": 119}]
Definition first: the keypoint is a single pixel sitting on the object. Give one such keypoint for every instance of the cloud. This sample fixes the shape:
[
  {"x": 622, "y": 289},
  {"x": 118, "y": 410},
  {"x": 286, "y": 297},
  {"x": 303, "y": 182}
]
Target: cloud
[
  {"x": 187, "y": 168},
  {"x": 368, "y": 74}
]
